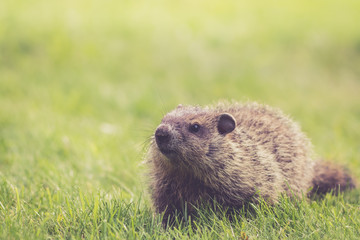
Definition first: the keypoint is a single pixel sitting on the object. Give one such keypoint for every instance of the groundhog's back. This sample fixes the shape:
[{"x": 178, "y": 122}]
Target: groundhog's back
[{"x": 280, "y": 141}]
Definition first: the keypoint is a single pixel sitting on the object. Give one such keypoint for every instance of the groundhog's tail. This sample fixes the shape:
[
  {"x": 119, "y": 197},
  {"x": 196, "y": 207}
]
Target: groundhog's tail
[{"x": 330, "y": 177}]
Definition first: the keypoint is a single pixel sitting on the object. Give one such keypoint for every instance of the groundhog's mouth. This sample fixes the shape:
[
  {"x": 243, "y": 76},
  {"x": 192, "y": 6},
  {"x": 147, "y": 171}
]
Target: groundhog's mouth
[{"x": 167, "y": 152}]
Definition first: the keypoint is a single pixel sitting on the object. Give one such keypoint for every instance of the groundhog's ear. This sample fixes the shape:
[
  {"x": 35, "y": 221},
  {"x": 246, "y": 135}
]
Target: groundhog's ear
[{"x": 226, "y": 123}]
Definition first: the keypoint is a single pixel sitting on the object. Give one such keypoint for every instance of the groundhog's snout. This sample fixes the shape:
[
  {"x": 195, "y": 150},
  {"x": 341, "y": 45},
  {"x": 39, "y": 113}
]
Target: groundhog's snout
[{"x": 163, "y": 138}]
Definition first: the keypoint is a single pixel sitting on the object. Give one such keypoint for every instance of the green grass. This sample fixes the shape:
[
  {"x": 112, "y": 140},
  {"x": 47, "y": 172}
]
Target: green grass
[{"x": 84, "y": 84}]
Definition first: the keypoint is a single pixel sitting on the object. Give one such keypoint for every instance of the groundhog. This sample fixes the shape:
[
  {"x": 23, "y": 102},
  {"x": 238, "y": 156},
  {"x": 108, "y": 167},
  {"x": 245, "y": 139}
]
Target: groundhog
[{"x": 233, "y": 153}]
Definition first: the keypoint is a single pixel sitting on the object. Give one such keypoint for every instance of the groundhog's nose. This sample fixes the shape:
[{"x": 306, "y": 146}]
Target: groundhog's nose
[{"x": 162, "y": 136}]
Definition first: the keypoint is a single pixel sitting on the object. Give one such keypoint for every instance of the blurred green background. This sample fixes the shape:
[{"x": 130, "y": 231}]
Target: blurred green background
[{"x": 83, "y": 84}]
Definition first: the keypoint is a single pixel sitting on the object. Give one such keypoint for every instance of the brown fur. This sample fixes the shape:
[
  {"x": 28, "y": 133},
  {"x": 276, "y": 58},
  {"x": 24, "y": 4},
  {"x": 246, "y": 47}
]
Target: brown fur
[
  {"x": 330, "y": 177},
  {"x": 238, "y": 153}
]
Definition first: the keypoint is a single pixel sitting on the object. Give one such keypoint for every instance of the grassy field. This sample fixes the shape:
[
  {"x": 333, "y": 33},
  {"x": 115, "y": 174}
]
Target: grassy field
[{"x": 83, "y": 84}]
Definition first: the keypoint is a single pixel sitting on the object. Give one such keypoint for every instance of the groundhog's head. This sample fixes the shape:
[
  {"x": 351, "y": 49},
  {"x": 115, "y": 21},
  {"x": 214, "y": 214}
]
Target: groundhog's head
[{"x": 193, "y": 137}]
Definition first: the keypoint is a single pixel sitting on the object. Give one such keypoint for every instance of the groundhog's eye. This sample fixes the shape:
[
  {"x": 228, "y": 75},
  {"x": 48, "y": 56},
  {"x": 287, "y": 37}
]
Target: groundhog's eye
[{"x": 194, "y": 128}]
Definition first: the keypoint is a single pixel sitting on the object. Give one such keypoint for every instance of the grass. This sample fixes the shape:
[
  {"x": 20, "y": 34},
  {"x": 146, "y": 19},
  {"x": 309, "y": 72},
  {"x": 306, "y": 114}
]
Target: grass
[{"x": 84, "y": 84}]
